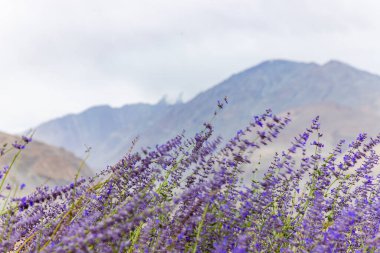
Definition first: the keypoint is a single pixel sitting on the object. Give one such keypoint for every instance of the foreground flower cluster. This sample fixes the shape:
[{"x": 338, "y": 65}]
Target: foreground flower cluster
[{"x": 186, "y": 196}]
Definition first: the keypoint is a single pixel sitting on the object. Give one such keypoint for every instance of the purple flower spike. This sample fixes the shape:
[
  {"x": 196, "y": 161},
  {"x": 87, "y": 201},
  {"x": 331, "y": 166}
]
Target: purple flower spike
[
  {"x": 26, "y": 139},
  {"x": 18, "y": 146}
]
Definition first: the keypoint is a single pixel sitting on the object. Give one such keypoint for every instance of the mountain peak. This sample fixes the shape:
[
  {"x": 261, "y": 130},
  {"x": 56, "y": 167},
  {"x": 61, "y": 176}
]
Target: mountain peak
[
  {"x": 279, "y": 65},
  {"x": 274, "y": 68},
  {"x": 278, "y": 62},
  {"x": 336, "y": 64},
  {"x": 163, "y": 100}
]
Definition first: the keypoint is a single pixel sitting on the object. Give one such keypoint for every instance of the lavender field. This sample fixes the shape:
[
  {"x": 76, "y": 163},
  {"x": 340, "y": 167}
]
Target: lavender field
[
  {"x": 192, "y": 126},
  {"x": 187, "y": 195}
]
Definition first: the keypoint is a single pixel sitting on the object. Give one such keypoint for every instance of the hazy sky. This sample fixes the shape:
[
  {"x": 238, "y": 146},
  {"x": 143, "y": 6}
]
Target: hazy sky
[{"x": 58, "y": 57}]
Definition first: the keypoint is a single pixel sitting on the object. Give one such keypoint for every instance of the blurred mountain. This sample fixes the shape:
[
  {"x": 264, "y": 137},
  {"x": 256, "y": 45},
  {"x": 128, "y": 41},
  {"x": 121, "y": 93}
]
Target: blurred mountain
[
  {"x": 40, "y": 163},
  {"x": 348, "y": 100},
  {"x": 106, "y": 130}
]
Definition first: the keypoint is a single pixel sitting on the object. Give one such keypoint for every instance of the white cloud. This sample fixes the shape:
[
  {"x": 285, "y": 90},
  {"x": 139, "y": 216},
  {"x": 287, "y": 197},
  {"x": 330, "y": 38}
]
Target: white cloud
[{"x": 58, "y": 57}]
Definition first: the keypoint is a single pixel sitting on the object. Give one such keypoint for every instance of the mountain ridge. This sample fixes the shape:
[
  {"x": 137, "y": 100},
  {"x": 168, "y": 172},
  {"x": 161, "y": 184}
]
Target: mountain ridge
[{"x": 278, "y": 84}]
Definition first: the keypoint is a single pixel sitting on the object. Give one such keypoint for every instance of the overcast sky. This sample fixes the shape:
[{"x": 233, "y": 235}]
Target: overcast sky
[{"x": 59, "y": 57}]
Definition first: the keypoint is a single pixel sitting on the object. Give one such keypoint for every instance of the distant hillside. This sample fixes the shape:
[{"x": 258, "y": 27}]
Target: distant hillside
[
  {"x": 339, "y": 92},
  {"x": 40, "y": 163}
]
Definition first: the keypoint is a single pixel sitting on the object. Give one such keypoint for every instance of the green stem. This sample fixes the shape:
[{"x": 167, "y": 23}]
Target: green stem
[
  {"x": 9, "y": 169},
  {"x": 199, "y": 229}
]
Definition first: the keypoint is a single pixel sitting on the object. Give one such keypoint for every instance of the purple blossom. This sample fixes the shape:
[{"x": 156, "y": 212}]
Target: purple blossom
[
  {"x": 18, "y": 145},
  {"x": 197, "y": 195},
  {"x": 26, "y": 139}
]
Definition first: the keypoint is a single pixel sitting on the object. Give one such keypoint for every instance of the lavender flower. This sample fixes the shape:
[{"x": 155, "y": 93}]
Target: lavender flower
[{"x": 186, "y": 195}]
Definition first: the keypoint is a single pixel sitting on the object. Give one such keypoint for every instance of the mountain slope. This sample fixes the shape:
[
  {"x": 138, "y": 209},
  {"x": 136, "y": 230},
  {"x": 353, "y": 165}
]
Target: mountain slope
[
  {"x": 40, "y": 163},
  {"x": 278, "y": 84},
  {"x": 102, "y": 128}
]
